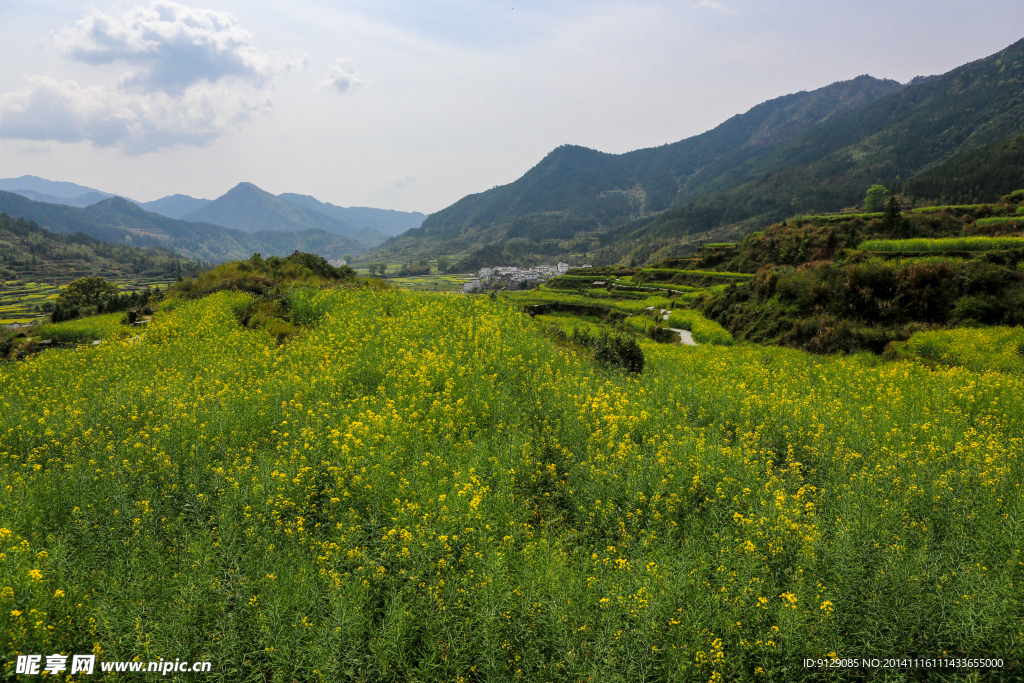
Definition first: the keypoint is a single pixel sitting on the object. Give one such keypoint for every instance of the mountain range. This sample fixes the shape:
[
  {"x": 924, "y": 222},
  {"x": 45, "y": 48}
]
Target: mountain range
[
  {"x": 805, "y": 152},
  {"x": 120, "y": 221},
  {"x": 245, "y": 207}
]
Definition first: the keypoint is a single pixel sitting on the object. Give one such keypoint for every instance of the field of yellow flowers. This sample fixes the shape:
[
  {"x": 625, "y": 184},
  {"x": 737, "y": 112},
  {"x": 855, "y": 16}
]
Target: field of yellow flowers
[{"x": 422, "y": 487}]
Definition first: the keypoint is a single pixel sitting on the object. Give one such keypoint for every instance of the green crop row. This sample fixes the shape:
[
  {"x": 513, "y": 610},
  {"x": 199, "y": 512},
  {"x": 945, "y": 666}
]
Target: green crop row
[
  {"x": 698, "y": 273},
  {"x": 945, "y": 244},
  {"x": 1015, "y": 221}
]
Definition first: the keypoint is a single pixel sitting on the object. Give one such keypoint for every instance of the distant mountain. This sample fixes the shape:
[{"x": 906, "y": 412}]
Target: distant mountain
[
  {"x": 575, "y": 189},
  {"x": 120, "y": 221},
  {"x": 63, "y": 190},
  {"x": 367, "y": 235},
  {"x": 247, "y": 207},
  {"x": 59, "y": 218},
  {"x": 80, "y": 201},
  {"x": 387, "y": 222},
  {"x": 174, "y": 206},
  {"x": 244, "y": 207}
]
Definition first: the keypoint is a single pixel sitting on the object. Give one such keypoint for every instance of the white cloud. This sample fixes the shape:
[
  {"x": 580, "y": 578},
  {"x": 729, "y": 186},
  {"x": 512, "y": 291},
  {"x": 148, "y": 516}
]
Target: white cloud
[
  {"x": 108, "y": 117},
  {"x": 170, "y": 46},
  {"x": 193, "y": 75},
  {"x": 341, "y": 77},
  {"x": 715, "y": 6},
  {"x": 398, "y": 183}
]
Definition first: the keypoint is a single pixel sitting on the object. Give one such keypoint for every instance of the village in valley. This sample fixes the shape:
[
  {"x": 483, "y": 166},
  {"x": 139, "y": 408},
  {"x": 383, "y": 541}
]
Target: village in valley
[{"x": 512, "y": 277}]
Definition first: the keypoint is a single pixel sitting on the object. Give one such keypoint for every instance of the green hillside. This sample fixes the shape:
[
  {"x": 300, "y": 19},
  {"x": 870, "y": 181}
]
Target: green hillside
[
  {"x": 834, "y": 283},
  {"x": 825, "y": 283},
  {"x": 910, "y": 132},
  {"x": 29, "y": 252},
  {"x": 980, "y": 176}
]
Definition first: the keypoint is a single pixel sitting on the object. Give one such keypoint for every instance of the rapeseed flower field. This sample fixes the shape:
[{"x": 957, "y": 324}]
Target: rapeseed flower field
[{"x": 422, "y": 487}]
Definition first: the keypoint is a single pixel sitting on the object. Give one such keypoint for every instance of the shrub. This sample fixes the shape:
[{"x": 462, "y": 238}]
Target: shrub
[
  {"x": 608, "y": 350},
  {"x": 983, "y": 309},
  {"x": 619, "y": 351}
]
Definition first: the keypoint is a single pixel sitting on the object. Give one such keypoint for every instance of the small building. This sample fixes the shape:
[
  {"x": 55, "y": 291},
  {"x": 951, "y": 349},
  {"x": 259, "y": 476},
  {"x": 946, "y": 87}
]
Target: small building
[{"x": 471, "y": 286}]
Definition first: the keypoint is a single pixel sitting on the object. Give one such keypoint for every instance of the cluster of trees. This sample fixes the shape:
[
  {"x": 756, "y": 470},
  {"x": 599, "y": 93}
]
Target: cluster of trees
[
  {"x": 420, "y": 266},
  {"x": 89, "y": 295}
]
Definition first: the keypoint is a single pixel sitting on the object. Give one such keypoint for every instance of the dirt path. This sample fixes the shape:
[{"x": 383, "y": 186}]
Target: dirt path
[{"x": 685, "y": 336}]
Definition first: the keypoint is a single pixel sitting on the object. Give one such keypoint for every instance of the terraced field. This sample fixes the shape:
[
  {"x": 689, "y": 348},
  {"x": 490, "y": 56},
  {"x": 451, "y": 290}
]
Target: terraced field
[
  {"x": 24, "y": 302},
  {"x": 634, "y": 302}
]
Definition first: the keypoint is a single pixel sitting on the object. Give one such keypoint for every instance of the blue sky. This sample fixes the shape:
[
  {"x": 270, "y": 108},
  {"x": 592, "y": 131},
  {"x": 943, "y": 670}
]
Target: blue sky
[{"x": 413, "y": 105}]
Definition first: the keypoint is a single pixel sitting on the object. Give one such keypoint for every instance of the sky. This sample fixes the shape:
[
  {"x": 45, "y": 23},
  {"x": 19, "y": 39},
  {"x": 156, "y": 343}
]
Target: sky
[{"x": 412, "y": 105}]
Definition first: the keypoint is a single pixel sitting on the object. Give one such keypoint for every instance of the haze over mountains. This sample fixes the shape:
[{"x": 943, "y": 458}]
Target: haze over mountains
[
  {"x": 806, "y": 152},
  {"x": 120, "y": 221},
  {"x": 245, "y": 208}
]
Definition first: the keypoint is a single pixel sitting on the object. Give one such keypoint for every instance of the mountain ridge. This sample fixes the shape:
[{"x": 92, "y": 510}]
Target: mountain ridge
[
  {"x": 908, "y": 133},
  {"x": 801, "y": 153},
  {"x": 367, "y": 225},
  {"x": 575, "y": 189},
  {"x": 248, "y": 208}
]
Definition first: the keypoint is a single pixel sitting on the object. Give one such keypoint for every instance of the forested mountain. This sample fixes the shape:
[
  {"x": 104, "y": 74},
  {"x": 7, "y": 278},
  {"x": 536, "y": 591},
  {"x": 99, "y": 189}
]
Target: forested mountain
[
  {"x": 577, "y": 189},
  {"x": 30, "y": 252},
  {"x": 801, "y": 153},
  {"x": 120, "y": 221},
  {"x": 906, "y": 134}
]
